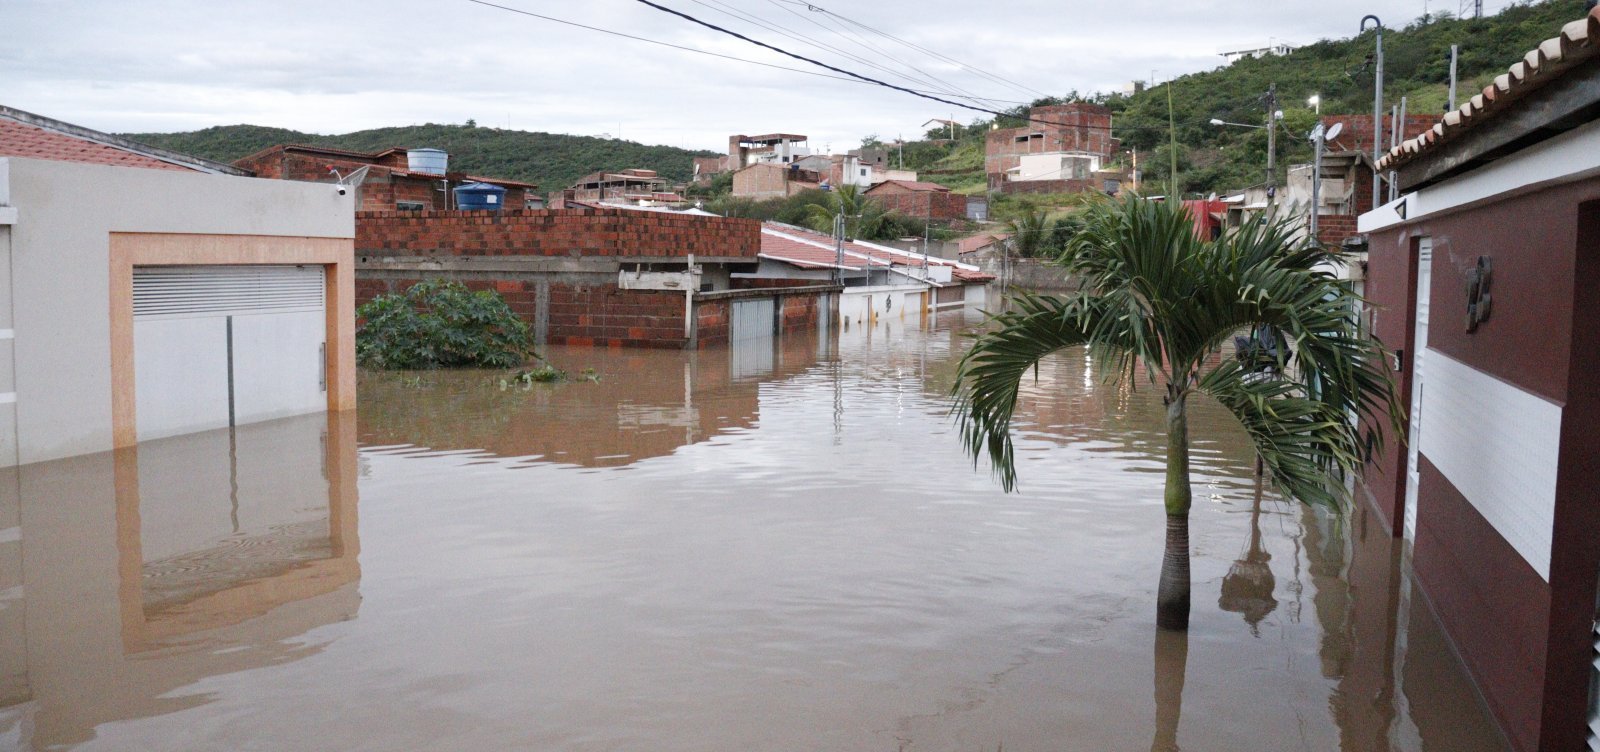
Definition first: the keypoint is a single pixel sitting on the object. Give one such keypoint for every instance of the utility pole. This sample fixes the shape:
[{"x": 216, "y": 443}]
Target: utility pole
[
  {"x": 1172, "y": 132},
  {"x": 1377, "y": 106},
  {"x": 1455, "y": 52},
  {"x": 1272, "y": 137},
  {"x": 838, "y": 249}
]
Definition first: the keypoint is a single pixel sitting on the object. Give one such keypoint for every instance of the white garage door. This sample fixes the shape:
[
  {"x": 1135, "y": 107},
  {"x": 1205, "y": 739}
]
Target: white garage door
[{"x": 215, "y": 346}]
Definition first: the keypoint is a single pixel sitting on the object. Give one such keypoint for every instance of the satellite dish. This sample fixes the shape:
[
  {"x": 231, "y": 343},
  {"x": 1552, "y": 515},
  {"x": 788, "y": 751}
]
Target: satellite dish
[{"x": 1333, "y": 132}]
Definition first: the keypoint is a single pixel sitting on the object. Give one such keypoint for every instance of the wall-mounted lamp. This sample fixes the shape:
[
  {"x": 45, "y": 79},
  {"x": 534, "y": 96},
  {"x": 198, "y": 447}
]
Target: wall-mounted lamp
[{"x": 1479, "y": 303}]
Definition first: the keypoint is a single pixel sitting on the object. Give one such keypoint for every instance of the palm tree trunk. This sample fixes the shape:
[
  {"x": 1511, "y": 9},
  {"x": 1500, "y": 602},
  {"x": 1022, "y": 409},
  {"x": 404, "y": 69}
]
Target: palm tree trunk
[{"x": 1172, "y": 597}]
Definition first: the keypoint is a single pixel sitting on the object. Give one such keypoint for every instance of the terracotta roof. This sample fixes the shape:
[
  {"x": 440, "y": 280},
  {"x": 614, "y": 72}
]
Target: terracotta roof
[
  {"x": 912, "y": 185},
  {"x": 1577, "y": 42},
  {"x": 790, "y": 249},
  {"x": 32, "y": 136},
  {"x": 980, "y": 241}
]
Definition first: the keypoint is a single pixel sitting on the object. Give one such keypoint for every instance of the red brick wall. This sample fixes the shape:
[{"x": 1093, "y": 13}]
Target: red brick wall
[
  {"x": 579, "y": 314},
  {"x": 927, "y": 204},
  {"x": 711, "y": 322},
  {"x": 1069, "y": 127},
  {"x": 604, "y": 315},
  {"x": 799, "y": 312},
  {"x": 553, "y": 232},
  {"x": 1332, "y": 229}
]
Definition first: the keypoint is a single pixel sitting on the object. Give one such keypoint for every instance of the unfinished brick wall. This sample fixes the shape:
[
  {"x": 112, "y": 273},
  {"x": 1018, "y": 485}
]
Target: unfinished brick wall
[
  {"x": 591, "y": 315},
  {"x": 554, "y": 232},
  {"x": 1332, "y": 229},
  {"x": 602, "y": 315},
  {"x": 712, "y": 320},
  {"x": 925, "y": 204},
  {"x": 1077, "y": 127},
  {"x": 798, "y": 312},
  {"x": 380, "y": 190}
]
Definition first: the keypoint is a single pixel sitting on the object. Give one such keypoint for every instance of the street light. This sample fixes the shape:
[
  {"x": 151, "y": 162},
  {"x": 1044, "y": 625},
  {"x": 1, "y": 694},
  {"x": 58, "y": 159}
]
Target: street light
[
  {"x": 1272, "y": 145},
  {"x": 1316, "y": 102}
]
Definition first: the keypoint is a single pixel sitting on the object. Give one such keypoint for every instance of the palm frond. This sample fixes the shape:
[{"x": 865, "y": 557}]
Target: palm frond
[
  {"x": 990, "y": 375},
  {"x": 1303, "y": 441}
]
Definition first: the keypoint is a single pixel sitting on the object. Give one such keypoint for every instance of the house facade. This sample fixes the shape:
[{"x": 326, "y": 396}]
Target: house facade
[
  {"x": 187, "y": 298},
  {"x": 1482, "y": 281},
  {"x": 1065, "y": 148}
]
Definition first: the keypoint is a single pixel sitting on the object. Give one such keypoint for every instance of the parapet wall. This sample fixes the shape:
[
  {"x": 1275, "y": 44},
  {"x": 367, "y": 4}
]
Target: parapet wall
[{"x": 565, "y": 233}]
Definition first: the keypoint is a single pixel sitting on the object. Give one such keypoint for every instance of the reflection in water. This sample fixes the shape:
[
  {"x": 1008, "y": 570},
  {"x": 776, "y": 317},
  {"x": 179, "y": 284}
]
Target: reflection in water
[
  {"x": 1247, "y": 588},
  {"x": 686, "y": 557},
  {"x": 644, "y": 403},
  {"x": 1171, "y": 665},
  {"x": 144, "y": 571}
]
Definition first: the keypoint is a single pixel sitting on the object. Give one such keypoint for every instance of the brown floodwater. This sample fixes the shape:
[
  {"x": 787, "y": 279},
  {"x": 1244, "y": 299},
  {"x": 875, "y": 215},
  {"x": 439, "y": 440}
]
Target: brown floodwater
[{"x": 774, "y": 547}]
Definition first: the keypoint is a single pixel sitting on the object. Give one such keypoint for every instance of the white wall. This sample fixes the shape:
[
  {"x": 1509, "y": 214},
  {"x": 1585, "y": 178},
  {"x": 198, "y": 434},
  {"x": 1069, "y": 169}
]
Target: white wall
[{"x": 59, "y": 263}]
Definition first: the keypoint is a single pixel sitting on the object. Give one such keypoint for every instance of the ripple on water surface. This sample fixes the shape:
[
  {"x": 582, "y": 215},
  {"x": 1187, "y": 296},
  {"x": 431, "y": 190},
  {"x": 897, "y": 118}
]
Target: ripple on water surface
[{"x": 778, "y": 548}]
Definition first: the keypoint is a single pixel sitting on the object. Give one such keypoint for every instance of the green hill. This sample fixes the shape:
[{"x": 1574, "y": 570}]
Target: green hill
[
  {"x": 1211, "y": 158},
  {"x": 552, "y": 160}
]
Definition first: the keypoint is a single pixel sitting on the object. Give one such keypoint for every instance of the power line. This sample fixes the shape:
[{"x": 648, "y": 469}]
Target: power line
[
  {"x": 991, "y": 76},
  {"x": 647, "y": 40},
  {"x": 855, "y": 75},
  {"x": 729, "y": 10},
  {"x": 845, "y": 32}
]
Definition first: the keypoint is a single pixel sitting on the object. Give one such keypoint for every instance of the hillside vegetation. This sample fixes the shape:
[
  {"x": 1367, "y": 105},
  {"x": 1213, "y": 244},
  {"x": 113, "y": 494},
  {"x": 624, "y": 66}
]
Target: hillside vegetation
[
  {"x": 552, "y": 160},
  {"x": 1212, "y": 158}
]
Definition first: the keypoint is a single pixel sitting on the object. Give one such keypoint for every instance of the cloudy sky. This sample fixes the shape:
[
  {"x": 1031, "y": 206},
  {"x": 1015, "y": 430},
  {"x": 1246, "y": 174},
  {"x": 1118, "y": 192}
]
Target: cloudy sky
[{"x": 332, "y": 66}]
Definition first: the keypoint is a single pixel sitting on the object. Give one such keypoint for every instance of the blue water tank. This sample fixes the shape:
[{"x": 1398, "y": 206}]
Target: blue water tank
[{"x": 479, "y": 197}]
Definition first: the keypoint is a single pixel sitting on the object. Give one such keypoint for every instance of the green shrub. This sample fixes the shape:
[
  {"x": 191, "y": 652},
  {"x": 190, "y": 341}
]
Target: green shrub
[{"x": 439, "y": 324}]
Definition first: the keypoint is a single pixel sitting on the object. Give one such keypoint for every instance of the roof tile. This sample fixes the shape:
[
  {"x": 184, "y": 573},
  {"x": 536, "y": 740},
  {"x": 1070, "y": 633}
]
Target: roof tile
[{"x": 19, "y": 139}]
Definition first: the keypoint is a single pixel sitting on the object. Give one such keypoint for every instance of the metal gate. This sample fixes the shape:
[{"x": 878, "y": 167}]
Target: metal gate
[
  {"x": 752, "y": 319},
  {"x": 1419, "y": 348},
  {"x": 215, "y": 346}
]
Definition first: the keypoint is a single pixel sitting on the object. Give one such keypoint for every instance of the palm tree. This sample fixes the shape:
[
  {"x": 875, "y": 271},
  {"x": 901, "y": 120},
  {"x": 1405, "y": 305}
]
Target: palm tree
[
  {"x": 862, "y": 215},
  {"x": 1027, "y": 230},
  {"x": 1158, "y": 297}
]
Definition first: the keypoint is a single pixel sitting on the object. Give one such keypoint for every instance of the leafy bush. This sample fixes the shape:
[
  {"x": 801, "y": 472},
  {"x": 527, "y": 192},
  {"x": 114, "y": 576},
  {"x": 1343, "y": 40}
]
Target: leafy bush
[{"x": 440, "y": 324}]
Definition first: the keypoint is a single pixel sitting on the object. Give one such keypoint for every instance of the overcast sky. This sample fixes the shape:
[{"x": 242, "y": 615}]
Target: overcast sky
[{"x": 333, "y": 66}]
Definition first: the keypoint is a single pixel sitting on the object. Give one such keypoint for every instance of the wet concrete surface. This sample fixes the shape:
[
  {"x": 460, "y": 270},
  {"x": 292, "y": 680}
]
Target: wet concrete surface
[{"x": 774, "y": 547}]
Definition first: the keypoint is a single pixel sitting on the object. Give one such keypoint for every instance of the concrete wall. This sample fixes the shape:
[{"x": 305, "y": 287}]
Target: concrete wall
[
  {"x": 59, "y": 261},
  {"x": 1028, "y": 274}
]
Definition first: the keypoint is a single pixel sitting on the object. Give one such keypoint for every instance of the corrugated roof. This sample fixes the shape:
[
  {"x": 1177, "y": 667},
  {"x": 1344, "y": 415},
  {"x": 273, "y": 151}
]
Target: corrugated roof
[
  {"x": 797, "y": 244},
  {"x": 1577, "y": 42},
  {"x": 23, "y": 134}
]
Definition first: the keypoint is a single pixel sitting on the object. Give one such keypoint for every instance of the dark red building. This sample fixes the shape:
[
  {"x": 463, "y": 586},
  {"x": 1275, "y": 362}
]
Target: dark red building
[{"x": 1484, "y": 279}]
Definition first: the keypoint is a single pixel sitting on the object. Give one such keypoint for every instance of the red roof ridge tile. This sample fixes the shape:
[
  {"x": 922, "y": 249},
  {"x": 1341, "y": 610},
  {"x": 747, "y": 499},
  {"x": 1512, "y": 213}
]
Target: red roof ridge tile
[{"x": 1578, "y": 41}]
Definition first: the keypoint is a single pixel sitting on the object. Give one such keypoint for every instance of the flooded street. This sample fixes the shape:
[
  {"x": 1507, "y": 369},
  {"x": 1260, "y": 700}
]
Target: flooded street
[{"x": 777, "y": 547}]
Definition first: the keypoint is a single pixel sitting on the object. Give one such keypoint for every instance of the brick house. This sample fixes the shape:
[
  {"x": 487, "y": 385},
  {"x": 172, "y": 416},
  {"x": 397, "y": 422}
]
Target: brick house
[
  {"x": 925, "y": 200},
  {"x": 765, "y": 180},
  {"x": 633, "y": 185},
  {"x": 395, "y": 180},
  {"x": 1065, "y": 148},
  {"x": 1482, "y": 276}
]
